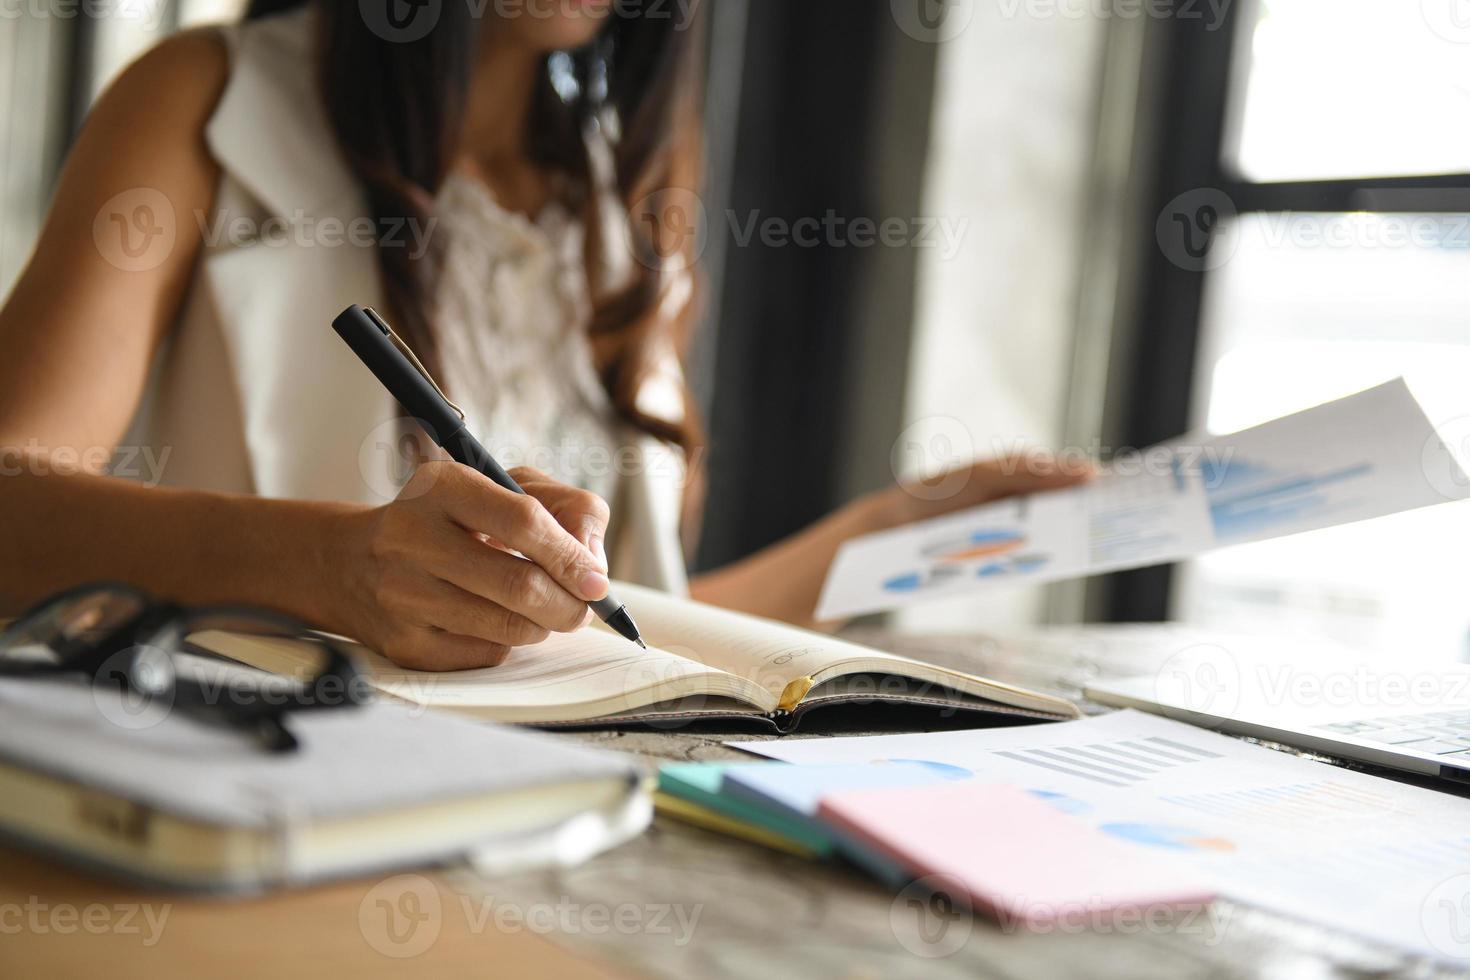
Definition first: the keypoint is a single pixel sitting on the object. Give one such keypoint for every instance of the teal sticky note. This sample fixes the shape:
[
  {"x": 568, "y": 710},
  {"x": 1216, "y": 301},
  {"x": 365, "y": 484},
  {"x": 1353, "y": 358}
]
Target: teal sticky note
[{"x": 702, "y": 783}]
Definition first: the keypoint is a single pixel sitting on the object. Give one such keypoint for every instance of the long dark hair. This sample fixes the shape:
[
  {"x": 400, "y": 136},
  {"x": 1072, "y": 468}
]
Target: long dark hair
[{"x": 397, "y": 108}]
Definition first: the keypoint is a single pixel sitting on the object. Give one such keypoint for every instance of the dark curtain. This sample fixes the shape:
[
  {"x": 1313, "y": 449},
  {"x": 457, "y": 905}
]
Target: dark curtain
[{"x": 808, "y": 130}]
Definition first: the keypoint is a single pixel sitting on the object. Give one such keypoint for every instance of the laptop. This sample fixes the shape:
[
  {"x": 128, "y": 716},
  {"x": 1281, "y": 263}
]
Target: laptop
[{"x": 1413, "y": 718}]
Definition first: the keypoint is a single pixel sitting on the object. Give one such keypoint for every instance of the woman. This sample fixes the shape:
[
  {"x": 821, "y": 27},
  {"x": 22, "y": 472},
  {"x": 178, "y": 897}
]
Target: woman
[{"x": 475, "y": 177}]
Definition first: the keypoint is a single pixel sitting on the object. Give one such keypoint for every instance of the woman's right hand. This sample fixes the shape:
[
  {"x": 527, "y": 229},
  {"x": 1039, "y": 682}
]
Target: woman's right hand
[{"x": 434, "y": 581}]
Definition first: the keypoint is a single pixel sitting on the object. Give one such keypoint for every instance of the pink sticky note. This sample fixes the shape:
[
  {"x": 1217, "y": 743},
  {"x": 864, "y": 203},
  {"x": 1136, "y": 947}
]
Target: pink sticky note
[{"x": 1014, "y": 856}]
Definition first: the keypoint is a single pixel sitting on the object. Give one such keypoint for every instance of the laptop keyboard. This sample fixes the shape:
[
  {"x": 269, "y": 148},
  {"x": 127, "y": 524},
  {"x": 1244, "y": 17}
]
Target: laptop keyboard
[{"x": 1443, "y": 733}]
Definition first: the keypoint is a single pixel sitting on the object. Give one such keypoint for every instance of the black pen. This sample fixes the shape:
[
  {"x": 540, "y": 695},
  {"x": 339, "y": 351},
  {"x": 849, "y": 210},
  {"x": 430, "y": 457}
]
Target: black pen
[{"x": 398, "y": 368}]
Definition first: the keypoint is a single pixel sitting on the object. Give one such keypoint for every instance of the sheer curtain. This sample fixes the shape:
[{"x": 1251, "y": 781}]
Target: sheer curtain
[{"x": 994, "y": 321}]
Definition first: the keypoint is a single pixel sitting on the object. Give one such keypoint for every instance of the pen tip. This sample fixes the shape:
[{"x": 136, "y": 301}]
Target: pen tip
[{"x": 640, "y": 642}]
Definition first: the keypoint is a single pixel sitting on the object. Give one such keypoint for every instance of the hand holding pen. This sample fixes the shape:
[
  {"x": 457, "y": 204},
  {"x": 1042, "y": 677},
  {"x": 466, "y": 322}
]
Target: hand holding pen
[
  {"x": 437, "y": 588},
  {"x": 437, "y": 566}
]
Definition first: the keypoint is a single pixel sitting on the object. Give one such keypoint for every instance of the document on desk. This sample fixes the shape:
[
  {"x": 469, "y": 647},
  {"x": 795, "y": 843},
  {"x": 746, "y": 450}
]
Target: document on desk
[
  {"x": 1309, "y": 840},
  {"x": 1364, "y": 456}
]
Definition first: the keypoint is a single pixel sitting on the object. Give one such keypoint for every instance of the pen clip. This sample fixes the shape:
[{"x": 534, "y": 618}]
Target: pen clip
[{"x": 413, "y": 359}]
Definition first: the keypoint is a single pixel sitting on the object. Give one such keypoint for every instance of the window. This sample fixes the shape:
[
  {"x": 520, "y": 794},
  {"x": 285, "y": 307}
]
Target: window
[
  {"x": 32, "y": 97},
  {"x": 1351, "y": 88},
  {"x": 1339, "y": 258}
]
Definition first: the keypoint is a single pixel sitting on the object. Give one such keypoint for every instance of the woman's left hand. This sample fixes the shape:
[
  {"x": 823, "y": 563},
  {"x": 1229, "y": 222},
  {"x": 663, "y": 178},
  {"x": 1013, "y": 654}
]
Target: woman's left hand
[
  {"x": 782, "y": 581},
  {"x": 968, "y": 486}
]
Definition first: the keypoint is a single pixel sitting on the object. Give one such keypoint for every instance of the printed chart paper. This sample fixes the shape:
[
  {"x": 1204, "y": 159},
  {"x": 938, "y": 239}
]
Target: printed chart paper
[
  {"x": 1364, "y": 456},
  {"x": 1384, "y": 860}
]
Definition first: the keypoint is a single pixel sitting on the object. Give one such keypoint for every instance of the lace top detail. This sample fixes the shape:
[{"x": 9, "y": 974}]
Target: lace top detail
[{"x": 514, "y": 306}]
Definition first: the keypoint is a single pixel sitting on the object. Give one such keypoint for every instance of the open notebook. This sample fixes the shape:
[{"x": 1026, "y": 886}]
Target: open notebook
[{"x": 702, "y": 662}]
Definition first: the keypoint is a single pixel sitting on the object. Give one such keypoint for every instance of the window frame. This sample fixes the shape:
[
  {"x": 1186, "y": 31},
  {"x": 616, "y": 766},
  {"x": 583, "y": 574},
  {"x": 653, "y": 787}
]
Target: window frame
[{"x": 1185, "y": 151}]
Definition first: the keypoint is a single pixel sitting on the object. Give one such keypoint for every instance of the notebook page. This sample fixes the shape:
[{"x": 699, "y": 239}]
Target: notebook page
[
  {"x": 771, "y": 655},
  {"x": 566, "y": 677},
  {"x": 780, "y": 658}
]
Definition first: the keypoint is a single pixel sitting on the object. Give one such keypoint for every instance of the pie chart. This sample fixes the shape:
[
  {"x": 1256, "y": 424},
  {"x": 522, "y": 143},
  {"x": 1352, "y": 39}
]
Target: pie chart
[
  {"x": 941, "y": 769},
  {"x": 1063, "y": 802},
  {"x": 985, "y": 552},
  {"x": 975, "y": 545},
  {"x": 1166, "y": 837}
]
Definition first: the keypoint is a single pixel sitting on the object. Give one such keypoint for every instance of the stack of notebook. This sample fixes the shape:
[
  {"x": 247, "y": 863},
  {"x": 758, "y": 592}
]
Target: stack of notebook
[
  {"x": 174, "y": 801},
  {"x": 1002, "y": 850}
]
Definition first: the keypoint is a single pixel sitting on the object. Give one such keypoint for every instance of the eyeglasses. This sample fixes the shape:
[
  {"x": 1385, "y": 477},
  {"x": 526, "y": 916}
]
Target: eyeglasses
[{"x": 117, "y": 635}]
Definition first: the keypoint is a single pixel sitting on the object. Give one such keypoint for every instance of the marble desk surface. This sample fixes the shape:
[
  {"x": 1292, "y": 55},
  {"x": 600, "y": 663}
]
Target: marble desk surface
[{"x": 683, "y": 902}]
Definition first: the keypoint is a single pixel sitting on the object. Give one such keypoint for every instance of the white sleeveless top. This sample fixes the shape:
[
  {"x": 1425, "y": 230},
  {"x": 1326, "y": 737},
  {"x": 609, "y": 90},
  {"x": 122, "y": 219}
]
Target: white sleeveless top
[
  {"x": 513, "y": 309},
  {"x": 255, "y": 393}
]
